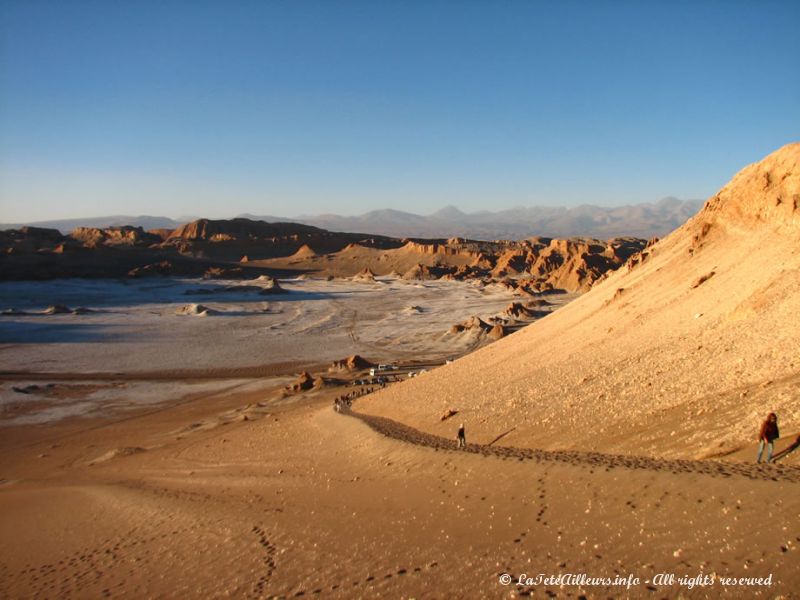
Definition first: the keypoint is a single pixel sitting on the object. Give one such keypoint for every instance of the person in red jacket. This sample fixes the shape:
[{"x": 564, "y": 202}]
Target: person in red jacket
[{"x": 767, "y": 436}]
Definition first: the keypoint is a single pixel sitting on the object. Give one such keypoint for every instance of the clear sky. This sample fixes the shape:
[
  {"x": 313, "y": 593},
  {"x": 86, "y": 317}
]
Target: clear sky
[{"x": 292, "y": 107}]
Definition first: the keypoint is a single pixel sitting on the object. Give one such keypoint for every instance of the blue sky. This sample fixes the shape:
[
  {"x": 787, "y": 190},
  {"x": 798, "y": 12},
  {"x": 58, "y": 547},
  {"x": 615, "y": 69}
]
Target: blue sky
[{"x": 288, "y": 108}]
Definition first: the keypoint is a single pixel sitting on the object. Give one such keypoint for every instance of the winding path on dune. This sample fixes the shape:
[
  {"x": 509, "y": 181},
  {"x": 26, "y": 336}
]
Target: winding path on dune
[{"x": 404, "y": 433}]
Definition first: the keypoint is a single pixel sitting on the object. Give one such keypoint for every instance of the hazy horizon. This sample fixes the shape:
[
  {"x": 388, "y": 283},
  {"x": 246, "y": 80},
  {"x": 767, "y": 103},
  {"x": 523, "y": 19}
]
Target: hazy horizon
[
  {"x": 309, "y": 108},
  {"x": 431, "y": 212}
]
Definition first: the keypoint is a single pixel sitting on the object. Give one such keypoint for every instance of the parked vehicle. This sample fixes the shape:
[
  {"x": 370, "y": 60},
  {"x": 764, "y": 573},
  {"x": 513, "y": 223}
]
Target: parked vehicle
[{"x": 381, "y": 369}]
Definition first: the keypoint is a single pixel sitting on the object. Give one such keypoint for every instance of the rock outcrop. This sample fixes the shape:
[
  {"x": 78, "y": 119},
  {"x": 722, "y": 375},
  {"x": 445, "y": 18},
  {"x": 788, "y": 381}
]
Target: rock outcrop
[
  {"x": 304, "y": 382},
  {"x": 351, "y": 363},
  {"x": 473, "y": 324},
  {"x": 364, "y": 275},
  {"x": 236, "y": 247},
  {"x": 196, "y": 310},
  {"x": 119, "y": 236},
  {"x": 161, "y": 268},
  {"x": 237, "y": 229},
  {"x": 270, "y": 286}
]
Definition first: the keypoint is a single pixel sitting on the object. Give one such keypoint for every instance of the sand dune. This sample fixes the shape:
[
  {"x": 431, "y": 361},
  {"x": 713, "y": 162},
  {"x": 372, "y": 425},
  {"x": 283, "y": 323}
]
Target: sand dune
[{"x": 662, "y": 357}]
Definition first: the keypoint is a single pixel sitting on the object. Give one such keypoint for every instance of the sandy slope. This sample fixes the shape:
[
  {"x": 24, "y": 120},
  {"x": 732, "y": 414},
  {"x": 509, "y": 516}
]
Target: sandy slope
[
  {"x": 301, "y": 499},
  {"x": 680, "y": 355}
]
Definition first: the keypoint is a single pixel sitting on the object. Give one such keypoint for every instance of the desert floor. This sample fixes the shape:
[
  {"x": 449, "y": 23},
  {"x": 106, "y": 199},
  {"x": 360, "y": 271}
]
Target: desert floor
[
  {"x": 248, "y": 494},
  {"x": 222, "y": 485}
]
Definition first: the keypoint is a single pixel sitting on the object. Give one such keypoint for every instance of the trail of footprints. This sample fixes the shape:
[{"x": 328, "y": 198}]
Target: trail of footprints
[
  {"x": 342, "y": 588},
  {"x": 540, "y": 489},
  {"x": 261, "y": 588},
  {"x": 366, "y": 581},
  {"x": 269, "y": 561},
  {"x": 404, "y": 433},
  {"x": 74, "y": 573}
]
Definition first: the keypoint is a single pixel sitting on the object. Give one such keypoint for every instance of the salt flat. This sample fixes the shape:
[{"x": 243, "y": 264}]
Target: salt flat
[
  {"x": 133, "y": 347},
  {"x": 133, "y": 326}
]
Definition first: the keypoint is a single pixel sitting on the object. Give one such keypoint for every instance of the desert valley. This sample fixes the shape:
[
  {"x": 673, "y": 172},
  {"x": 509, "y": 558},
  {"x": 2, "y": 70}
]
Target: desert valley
[{"x": 236, "y": 408}]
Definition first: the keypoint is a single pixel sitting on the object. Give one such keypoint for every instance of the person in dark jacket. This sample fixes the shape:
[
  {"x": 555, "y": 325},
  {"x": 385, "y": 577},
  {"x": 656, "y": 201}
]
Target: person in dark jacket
[
  {"x": 767, "y": 436},
  {"x": 461, "y": 437}
]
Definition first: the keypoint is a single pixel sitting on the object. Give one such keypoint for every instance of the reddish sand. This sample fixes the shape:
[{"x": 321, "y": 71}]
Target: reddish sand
[{"x": 298, "y": 498}]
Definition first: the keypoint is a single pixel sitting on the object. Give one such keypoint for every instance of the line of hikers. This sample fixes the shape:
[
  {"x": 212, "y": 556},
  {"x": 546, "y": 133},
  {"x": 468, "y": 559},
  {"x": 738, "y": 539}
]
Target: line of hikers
[
  {"x": 342, "y": 403},
  {"x": 346, "y": 401},
  {"x": 767, "y": 435},
  {"x": 766, "y": 439}
]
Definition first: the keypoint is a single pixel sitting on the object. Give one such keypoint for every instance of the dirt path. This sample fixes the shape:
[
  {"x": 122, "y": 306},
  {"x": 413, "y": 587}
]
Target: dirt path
[{"x": 593, "y": 460}]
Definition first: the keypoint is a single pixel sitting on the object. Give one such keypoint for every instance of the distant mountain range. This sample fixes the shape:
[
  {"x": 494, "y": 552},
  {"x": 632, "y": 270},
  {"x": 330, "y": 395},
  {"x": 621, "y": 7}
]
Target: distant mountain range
[
  {"x": 67, "y": 225},
  {"x": 637, "y": 220}
]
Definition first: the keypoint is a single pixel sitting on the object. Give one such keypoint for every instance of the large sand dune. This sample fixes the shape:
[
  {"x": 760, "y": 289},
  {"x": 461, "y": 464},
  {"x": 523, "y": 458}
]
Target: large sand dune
[{"x": 680, "y": 353}]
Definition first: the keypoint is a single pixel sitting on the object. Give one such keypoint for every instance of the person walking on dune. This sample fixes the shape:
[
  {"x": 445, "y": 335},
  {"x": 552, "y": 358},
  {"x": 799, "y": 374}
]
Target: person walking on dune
[
  {"x": 461, "y": 437},
  {"x": 767, "y": 436}
]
